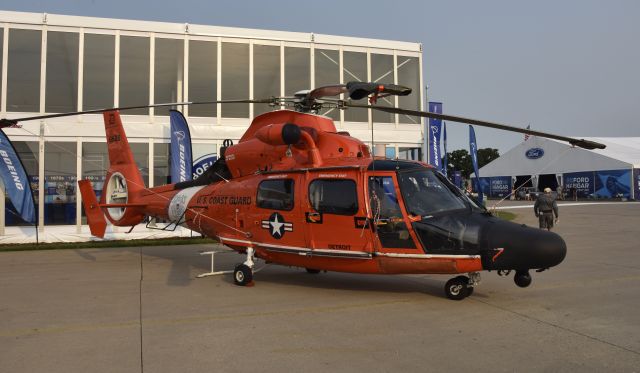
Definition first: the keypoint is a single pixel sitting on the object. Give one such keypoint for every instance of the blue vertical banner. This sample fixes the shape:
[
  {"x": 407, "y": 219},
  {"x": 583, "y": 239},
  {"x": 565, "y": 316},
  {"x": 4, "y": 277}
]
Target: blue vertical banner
[
  {"x": 636, "y": 184},
  {"x": 434, "y": 135},
  {"x": 16, "y": 181},
  {"x": 457, "y": 179},
  {"x": 473, "y": 151},
  {"x": 181, "y": 155},
  {"x": 444, "y": 153}
]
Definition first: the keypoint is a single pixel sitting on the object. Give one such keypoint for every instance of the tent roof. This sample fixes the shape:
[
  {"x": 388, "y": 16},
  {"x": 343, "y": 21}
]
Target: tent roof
[{"x": 560, "y": 157}]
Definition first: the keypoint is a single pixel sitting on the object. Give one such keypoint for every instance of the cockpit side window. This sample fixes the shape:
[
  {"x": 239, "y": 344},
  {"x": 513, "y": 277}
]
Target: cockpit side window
[
  {"x": 387, "y": 216},
  {"x": 425, "y": 194},
  {"x": 334, "y": 196}
]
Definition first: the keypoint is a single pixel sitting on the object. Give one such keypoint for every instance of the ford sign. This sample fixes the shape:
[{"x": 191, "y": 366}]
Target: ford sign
[{"x": 534, "y": 153}]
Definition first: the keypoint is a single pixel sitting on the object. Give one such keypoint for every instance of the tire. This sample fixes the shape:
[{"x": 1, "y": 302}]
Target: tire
[
  {"x": 242, "y": 275},
  {"x": 313, "y": 271},
  {"x": 456, "y": 288}
]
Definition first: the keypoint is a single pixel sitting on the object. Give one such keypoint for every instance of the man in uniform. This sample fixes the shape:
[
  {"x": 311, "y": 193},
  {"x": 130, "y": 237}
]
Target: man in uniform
[{"x": 545, "y": 208}]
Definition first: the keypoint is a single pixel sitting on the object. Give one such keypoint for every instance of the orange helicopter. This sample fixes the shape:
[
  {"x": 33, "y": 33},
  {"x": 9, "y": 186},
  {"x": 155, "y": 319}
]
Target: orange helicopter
[{"x": 295, "y": 191}]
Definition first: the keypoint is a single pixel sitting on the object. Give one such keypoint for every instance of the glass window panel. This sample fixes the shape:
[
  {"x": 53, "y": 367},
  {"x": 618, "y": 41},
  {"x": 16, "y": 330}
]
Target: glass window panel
[
  {"x": 276, "y": 194},
  {"x": 409, "y": 76},
  {"x": 168, "y": 73},
  {"x": 266, "y": 75},
  {"x": 203, "y": 77},
  {"x": 134, "y": 73},
  {"x": 414, "y": 154},
  {"x": 23, "y": 74},
  {"x": 60, "y": 183},
  {"x": 327, "y": 70},
  {"x": 95, "y": 163},
  {"x": 354, "y": 66},
  {"x": 62, "y": 72},
  {"x": 98, "y": 71},
  {"x": 391, "y": 228},
  {"x": 297, "y": 68},
  {"x": 331, "y": 196},
  {"x": 29, "y": 154},
  {"x": 382, "y": 72},
  {"x": 161, "y": 171},
  {"x": 141, "y": 156},
  {"x": 235, "y": 79}
]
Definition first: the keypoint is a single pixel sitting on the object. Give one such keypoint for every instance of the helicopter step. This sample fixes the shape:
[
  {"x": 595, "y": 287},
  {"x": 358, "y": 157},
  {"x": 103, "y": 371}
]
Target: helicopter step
[{"x": 461, "y": 287}]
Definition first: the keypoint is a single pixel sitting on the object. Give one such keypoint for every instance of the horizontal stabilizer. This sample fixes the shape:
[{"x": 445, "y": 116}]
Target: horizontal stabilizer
[{"x": 95, "y": 217}]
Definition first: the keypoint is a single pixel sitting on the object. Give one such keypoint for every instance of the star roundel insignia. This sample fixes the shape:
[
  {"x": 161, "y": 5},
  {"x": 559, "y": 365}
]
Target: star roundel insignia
[{"x": 277, "y": 225}]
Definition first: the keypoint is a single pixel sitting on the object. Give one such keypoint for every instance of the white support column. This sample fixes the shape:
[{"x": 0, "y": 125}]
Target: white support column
[
  {"x": 395, "y": 81},
  {"x": 151, "y": 162},
  {"x": 423, "y": 121},
  {"x": 116, "y": 71},
  {"x": 80, "y": 72},
  {"x": 282, "y": 71},
  {"x": 78, "y": 177},
  {"x": 341, "y": 67},
  {"x": 369, "y": 113},
  {"x": 152, "y": 76},
  {"x": 251, "y": 106},
  {"x": 5, "y": 59},
  {"x": 41, "y": 161},
  {"x": 312, "y": 66},
  {"x": 43, "y": 68},
  {"x": 185, "y": 76},
  {"x": 219, "y": 83}
]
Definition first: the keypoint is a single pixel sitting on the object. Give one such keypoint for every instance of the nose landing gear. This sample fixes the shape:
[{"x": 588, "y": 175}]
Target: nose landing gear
[
  {"x": 522, "y": 279},
  {"x": 461, "y": 287}
]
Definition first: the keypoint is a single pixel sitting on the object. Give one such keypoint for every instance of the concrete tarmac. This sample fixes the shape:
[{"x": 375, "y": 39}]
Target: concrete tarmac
[{"x": 88, "y": 311}]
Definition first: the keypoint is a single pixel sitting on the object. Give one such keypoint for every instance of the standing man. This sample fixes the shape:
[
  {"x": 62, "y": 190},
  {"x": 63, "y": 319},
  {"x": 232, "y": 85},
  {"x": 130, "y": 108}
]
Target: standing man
[{"x": 545, "y": 208}]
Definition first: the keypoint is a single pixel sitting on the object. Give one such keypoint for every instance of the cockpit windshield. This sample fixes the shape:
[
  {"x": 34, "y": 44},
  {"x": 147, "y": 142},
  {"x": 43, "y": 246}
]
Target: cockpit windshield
[{"x": 426, "y": 193}]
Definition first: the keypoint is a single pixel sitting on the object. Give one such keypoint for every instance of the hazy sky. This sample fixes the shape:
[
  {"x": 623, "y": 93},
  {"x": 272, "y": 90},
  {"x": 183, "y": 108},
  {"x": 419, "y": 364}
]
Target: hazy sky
[{"x": 570, "y": 67}]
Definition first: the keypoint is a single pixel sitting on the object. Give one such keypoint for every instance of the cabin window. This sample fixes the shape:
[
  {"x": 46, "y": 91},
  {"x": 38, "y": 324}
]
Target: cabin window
[
  {"x": 276, "y": 194},
  {"x": 334, "y": 196}
]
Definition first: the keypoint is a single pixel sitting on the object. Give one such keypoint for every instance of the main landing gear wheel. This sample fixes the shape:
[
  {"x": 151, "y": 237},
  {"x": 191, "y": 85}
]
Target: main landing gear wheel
[
  {"x": 313, "y": 271},
  {"x": 242, "y": 275},
  {"x": 458, "y": 288}
]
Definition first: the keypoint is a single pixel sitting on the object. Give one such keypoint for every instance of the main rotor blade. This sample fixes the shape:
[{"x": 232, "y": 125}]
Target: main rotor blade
[
  {"x": 329, "y": 90},
  {"x": 5, "y": 122},
  {"x": 587, "y": 144}
]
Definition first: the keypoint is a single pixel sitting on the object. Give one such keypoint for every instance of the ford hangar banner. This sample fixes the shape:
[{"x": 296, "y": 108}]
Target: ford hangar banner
[
  {"x": 500, "y": 186},
  {"x": 582, "y": 183}
]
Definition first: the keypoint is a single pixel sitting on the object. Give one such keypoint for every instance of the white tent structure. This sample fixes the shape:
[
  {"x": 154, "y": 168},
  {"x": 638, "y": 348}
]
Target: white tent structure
[{"x": 539, "y": 158}]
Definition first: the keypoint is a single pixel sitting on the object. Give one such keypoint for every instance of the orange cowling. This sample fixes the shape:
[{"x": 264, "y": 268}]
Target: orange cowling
[{"x": 279, "y": 134}]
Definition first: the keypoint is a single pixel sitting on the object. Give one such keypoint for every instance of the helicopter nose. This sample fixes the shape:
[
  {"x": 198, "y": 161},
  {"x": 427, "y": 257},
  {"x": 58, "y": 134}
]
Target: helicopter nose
[{"x": 518, "y": 247}]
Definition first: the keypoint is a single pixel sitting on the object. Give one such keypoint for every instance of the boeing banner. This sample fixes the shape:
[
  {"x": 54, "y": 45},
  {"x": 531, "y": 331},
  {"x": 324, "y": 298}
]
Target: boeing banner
[
  {"x": 15, "y": 181},
  {"x": 435, "y": 125},
  {"x": 444, "y": 154},
  {"x": 181, "y": 160},
  {"x": 473, "y": 151}
]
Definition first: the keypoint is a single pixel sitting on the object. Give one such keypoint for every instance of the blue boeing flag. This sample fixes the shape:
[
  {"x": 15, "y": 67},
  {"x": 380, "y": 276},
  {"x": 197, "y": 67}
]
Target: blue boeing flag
[
  {"x": 473, "y": 151},
  {"x": 181, "y": 158},
  {"x": 434, "y": 135},
  {"x": 444, "y": 153},
  {"x": 16, "y": 181}
]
